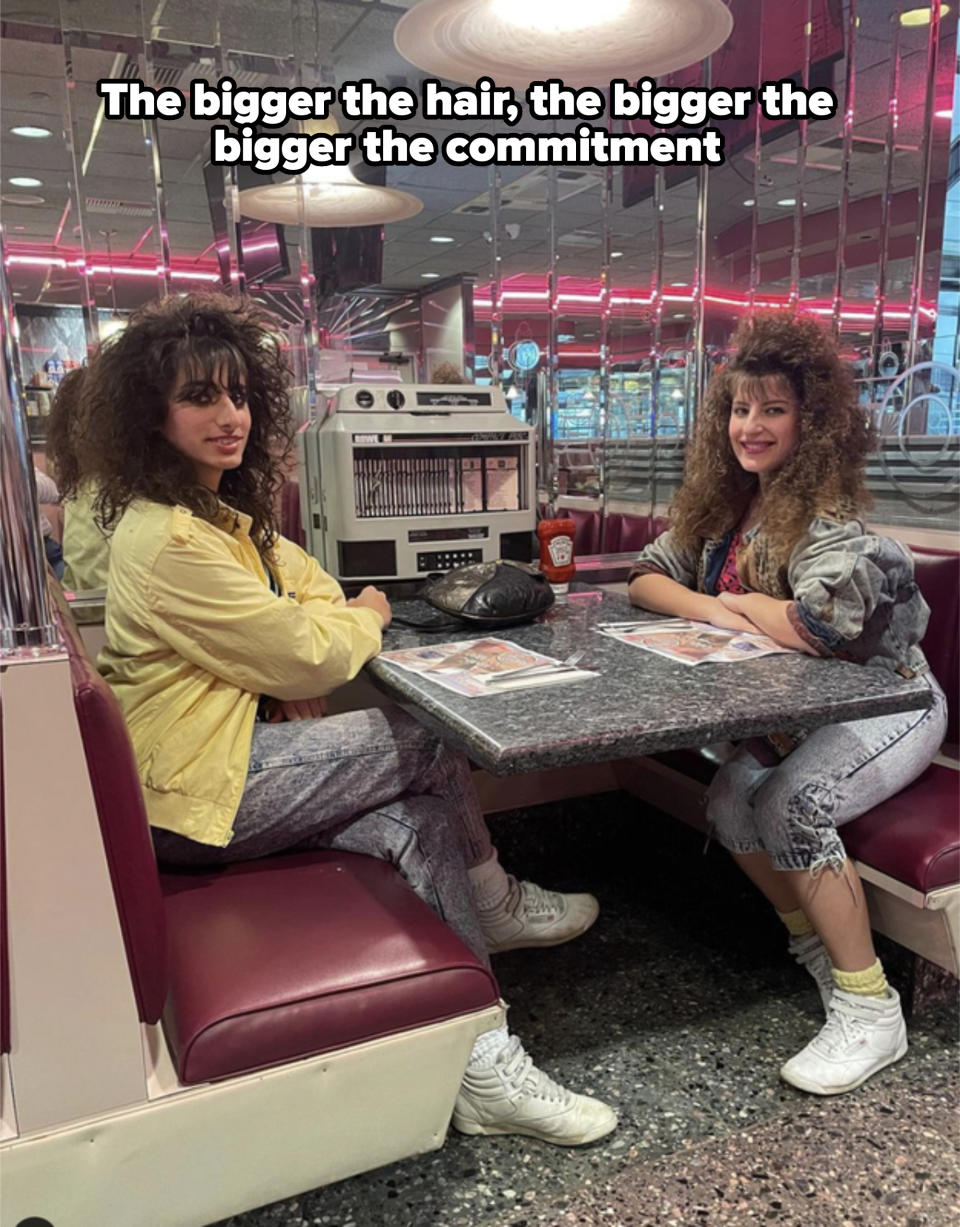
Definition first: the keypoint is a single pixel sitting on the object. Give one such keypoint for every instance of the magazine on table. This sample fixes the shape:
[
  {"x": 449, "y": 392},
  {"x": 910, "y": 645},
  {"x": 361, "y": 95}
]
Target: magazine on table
[
  {"x": 484, "y": 666},
  {"x": 693, "y": 643}
]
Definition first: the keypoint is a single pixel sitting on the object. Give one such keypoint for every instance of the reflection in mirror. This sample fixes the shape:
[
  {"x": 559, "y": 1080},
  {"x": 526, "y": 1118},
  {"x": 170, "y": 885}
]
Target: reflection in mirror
[{"x": 604, "y": 297}]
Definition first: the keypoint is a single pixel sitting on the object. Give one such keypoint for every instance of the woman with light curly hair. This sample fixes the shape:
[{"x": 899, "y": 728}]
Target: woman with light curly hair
[{"x": 767, "y": 535}]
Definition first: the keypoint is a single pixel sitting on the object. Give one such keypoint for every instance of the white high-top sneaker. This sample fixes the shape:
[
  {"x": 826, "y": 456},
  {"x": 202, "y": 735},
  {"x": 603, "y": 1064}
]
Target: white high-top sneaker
[
  {"x": 513, "y": 1096},
  {"x": 539, "y": 918},
  {"x": 810, "y": 952},
  {"x": 861, "y": 1036}
]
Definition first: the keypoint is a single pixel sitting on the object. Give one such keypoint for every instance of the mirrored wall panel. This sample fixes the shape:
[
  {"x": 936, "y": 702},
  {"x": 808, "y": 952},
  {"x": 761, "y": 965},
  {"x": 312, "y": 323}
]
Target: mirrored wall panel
[{"x": 598, "y": 298}]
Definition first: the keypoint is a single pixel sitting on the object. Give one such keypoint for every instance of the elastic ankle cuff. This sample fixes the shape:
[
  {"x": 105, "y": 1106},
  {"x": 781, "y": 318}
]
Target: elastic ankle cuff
[{"x": 871, "y": 982}]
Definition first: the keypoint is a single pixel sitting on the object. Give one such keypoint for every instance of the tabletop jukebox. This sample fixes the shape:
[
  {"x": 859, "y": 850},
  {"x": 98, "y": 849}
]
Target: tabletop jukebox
[{"x": 400, "y": 481}]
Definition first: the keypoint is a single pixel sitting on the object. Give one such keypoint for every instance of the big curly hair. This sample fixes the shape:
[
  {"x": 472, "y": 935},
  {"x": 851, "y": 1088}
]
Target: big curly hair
[
  {"x": 65, "y": 430},
  {"x": 124, "y": 404},
  {"x": 824, "y": 476}
]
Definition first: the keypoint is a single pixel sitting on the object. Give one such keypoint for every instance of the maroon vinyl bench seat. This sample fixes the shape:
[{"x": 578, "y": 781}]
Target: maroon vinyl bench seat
[
  {"x": 268, "y": 961},
  {"x": 273, "y": 960}
]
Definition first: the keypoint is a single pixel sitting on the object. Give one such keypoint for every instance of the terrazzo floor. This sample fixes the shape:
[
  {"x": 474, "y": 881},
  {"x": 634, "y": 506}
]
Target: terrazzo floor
[{"x": 678, "y": 1007}]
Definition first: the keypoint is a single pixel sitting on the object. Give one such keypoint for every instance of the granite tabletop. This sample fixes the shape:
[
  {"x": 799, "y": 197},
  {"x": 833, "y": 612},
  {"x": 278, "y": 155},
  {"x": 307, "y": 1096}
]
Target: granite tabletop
[{"x": 638, "y": 703}]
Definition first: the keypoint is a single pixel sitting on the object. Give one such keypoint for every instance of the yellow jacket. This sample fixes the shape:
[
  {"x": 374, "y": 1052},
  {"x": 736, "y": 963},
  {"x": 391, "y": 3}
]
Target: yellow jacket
[
  {"x": 195, "y": 636},
  {"x": 86, "y": 548}
]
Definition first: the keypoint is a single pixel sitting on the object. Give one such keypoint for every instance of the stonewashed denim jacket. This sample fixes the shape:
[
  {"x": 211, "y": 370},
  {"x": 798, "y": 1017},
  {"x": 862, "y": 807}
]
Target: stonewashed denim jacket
[{"x": 852, "y": 592}]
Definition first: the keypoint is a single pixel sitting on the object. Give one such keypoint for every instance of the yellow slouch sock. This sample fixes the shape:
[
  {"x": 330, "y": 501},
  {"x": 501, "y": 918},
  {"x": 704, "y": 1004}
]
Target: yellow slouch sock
[
  {"x": 797, "y": 923},
  {"x": 871, "y": 982}
]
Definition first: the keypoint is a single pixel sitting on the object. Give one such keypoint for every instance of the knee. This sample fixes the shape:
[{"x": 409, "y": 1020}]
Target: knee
[
  {"x": 728, "y": 806},
  {"x": 797, "y": 822},
  {"x": 424, "y": 822}
]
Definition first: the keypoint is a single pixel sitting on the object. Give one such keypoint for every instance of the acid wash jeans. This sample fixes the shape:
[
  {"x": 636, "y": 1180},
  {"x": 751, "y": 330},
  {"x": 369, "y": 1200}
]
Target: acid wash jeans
[
  {"x": 371, "y": 781},
  {"x": 792, "y": 810}
]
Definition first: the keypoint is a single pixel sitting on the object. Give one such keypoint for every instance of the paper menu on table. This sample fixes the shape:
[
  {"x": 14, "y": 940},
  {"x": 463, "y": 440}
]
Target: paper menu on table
[
  {"x": 463, "y": 666},
  {"x": 694, "y": 643}
]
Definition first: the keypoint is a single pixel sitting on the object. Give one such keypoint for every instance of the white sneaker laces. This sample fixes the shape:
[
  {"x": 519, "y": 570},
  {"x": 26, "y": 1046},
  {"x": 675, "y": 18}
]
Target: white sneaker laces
[
  {"x": 535, "y": 901},
  {"x": 524, "y": 1077},
  {"x": 841, "y": 1031}
]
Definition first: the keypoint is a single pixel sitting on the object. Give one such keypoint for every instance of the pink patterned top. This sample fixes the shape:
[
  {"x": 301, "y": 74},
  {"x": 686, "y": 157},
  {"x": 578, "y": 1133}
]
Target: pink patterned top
[{"x": 729, "y": 580}]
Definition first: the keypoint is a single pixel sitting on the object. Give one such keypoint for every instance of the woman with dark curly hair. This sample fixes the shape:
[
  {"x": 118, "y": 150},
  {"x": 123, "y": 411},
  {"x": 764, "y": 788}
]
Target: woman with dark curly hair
[
  {"x": 86, "y": 545},
  {"x": 223, "y": 639},
  {"x": 766, "y": 535}
]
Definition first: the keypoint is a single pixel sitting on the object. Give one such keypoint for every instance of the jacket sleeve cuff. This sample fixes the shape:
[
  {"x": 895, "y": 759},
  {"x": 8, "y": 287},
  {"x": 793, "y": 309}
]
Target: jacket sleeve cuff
[
  {"x": 371, "y": 619},
  {"x": 644, "y": 568},
  {"x": 816, "y": 634}
]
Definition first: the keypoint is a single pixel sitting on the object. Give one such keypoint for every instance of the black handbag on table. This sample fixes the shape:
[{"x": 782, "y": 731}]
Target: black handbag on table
[{"x": 485, "y": 594}]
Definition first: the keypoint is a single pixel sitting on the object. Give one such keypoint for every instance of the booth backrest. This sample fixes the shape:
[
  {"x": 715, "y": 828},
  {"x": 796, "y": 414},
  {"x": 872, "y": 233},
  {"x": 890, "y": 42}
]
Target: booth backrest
[
  {"x": 586, "y": 537},
  {"x": 123, "y": 823},
  {"x": 638, "y": 531},
  {"x": 291, "y": 526},
  {"x": 4, "y": 961},
  {"x": 938, "y": 574},
  {"x": 615, "y": 533}
]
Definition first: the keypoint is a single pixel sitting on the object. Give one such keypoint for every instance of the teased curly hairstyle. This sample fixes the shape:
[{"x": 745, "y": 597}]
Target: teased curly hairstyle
[
  {"x": 824, "y": 476},
  {"x": 125, "y": 398},
  {"x": 64, "y": 431}
]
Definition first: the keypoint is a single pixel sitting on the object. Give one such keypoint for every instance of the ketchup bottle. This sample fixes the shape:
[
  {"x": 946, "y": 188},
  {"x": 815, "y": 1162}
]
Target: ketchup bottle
[{"x": 556, "y": 552}]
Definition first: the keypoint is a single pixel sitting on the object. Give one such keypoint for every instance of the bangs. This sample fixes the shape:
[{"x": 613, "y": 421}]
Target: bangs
[
  {"x": 205, "y": 360},
  {"x": 750, "y": 383}
]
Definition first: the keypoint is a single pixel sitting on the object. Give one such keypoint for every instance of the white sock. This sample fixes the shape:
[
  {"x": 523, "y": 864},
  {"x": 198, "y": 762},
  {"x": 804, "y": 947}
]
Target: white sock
[
  {"x": 493, "y": 889},
  {"x": 487, "y": 1048}
]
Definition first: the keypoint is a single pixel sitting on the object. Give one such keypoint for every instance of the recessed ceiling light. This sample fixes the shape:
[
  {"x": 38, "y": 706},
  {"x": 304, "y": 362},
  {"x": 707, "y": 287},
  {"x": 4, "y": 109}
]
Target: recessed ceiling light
[
  {"x": 749, "y": 203},
  {"x": 615, "y": 255},
  {"x": 429, "y": 276},
  {"x": 20, "y": 198},
  {"x": 441, "y": 238},
  {"x": 678, "y": 283},
  {"x": 787, "y": 202},
  {"x": 25, "y": 181},
  {"x": 31, "y": 132},
  {"x": 921, "y": 17}
]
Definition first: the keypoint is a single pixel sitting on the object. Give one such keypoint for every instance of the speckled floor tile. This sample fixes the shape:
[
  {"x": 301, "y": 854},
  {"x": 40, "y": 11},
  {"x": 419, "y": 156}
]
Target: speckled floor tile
[
  {"x": 886, "y": 1157},
  {"x": 678, "y": 1007}
]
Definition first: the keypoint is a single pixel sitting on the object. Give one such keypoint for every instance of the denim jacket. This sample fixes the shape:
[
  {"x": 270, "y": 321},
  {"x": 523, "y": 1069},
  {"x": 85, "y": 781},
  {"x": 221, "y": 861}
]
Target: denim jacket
[{"x": 852, "y": 592}]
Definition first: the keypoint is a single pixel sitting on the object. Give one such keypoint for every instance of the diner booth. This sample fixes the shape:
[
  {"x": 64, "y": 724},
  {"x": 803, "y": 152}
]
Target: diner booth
[{"x": 517, "y": 342}]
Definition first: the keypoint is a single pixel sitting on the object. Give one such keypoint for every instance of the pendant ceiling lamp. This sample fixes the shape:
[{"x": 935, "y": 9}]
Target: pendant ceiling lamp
[
  {"x": 581, "y": 42},
  {"x": 332, "y": 196}
]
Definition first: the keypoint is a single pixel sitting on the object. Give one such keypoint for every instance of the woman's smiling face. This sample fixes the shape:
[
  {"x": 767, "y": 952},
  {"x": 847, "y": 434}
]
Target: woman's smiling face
[
  {"x": 208, "y": 421},
  {"x": 764, "y": 427}
]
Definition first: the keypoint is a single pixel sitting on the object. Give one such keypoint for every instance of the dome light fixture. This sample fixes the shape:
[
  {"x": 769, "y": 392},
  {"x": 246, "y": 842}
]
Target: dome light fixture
[
  {"x": 582, "y": 43},
  {"x": 921, "y": 17},
  {"x": 332, "y": 196}
]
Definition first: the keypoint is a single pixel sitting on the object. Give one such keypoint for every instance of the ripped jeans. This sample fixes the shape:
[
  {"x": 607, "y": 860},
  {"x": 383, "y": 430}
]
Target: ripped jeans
[{"x": 792, "y": 810}]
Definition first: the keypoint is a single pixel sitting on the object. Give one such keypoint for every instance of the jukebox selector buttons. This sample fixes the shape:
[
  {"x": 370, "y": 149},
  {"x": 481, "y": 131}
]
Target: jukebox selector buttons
[
  {"x": 364, "y": 399},
  {"x": 395, "y": 399},
  {"x": 446, "y": 560}
]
